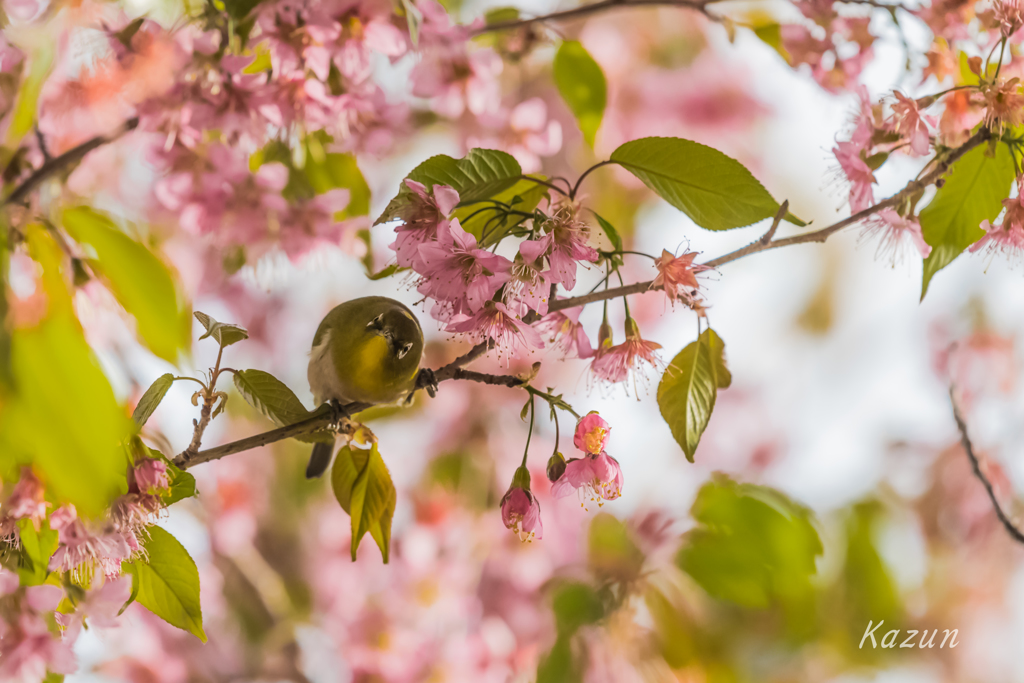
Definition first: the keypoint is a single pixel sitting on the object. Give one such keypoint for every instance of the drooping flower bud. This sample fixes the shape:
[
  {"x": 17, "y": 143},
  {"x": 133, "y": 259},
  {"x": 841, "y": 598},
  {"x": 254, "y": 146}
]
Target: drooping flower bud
[
  {"x": 520, "y": 510},
  {"x": 556, "y": 467}
]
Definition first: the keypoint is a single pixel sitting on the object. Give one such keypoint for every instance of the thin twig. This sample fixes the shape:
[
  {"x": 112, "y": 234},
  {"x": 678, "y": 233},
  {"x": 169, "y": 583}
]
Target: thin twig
[
  {"x": 59, "y": 163},
  {"x": 1011, "y": 529},
  {"x": 321, "y": 420},
  {"x": 779, "y": 215},
  {"x": 982, "y": 136},
  {"x": 595, "y": 8}
]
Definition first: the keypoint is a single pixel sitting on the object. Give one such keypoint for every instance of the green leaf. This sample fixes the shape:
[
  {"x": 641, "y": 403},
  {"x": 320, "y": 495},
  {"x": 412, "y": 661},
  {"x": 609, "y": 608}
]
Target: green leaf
[
  {"x": 575, "y": 605},
  {"x": 183, "y": 484},
  {"x": 610, "y": 231},
  {"x": 168, "y": 582},
  {"x": 559, "y": 665},
  {"x": 771, "y": 35},
  {"x": 485, "y": 225},
  {"x": 140, "y": 281},
  {"x": 500, "y": 15},
  {"x": 582, "y": 85},
  {"x": 973, "y": 192},
  {"x": 481, "y": 174},
  {"x": 151, "y": 399},
  {"x": 714, "y": 190},
  {"x": 363, "y": 487},
  {"x": 37, "y": 547},
  {"x": 387, "y": 271},
  {"x": 27, "y": 104},
  {"x": 64, "y": 417},
  {"x": 340, "y": 171},
  {"x": 270, "y": 396},
  {"x": 753, "y": 546},
  {"x": 673, "y": 628},
  {"x": 225, "y": 334},
  {"x": 611, "y": 552},
  {"x": 687, "y": 392}
]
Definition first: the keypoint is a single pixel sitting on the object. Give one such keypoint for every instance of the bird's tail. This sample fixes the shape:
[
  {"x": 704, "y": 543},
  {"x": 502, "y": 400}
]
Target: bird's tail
[{"x": 319, "y": 460}]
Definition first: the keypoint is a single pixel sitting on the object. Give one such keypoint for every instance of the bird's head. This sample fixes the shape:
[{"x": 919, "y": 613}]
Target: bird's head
[{"x": 401, "y": 331}]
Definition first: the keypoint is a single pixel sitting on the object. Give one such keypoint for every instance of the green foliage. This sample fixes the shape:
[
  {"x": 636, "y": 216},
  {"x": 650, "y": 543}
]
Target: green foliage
[
  {"x": 869, "y": 592},
  {"x": 582, "y": 85},
  {"x": 673, "y": 629},
  {"x": 753, "y": 547},
  {"x": 140, "y": 281},
  {"x": 363, "y": 487},
  {"x": 64, "y": 418},
  {"x": 481, "y": 174},
  {"x": 973, "y": 192},
  {"x": 330, "y": 171},
  {"x": 713, "y": 189},
  {"x": 167, "y": 582},
  {"x": 575, "y": 605},
  {"x": 270, "y": 396},
  {"x": 613, "y": 237},
  {"x": 182, "y": 484},
  {"x": 27, "y": 104},
  {"x": 491, "y": 225},
  {"x": 689, "y": 387},
  {"x": 37, "y": 546},
  {"x": 224, "y": 333},
  {"x": 771, "y": 35},
  {"x": 152, "y": 398},
  {"x": 612, "y": 554}
]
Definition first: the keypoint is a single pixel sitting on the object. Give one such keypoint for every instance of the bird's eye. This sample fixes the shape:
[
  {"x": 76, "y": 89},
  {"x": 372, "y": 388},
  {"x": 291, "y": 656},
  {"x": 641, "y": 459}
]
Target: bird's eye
[
  {"x": 377, "y": 323},
  {"x": 404, "y": 349}
]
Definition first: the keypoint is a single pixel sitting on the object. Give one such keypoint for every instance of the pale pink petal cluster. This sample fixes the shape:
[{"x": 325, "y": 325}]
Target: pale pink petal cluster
[
  {"x": 1007, "y": 236},
  {"x": 591, "y": 435},
  {"x": 495, "y": 323},
  {"x": 595, "y": 478},
  {"x": 520, "y": 510},
  {"x": 563, "y": 245},
  {"x": 894, "y": 230},
  {"x": 456, "y": 271},
  {"x": 83, "y": 549},
  {"x": 27, "y": 501},
  {"x": 677, "y": 275},
  {"x": 421, "y": 214},
  {"x": 565, "y": 332},
  {"x": 857, "y": 172},
  {"x": 30, "y": 641},
  {"x": 912, "y": 124},
  {"x": 526, "y": 132},
  {"x": 616, "y": 363}
]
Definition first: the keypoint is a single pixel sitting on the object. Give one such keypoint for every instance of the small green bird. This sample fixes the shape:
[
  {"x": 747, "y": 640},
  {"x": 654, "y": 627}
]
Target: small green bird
[{"x": 366, "y": 350}]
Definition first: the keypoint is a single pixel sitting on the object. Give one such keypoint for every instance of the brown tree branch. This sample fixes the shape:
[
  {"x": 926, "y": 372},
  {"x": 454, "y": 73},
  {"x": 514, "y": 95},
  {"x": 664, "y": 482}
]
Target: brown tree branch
[
  {"x": 1011, "y": 528},
  {"x": 596, "y": 8},
  {"x": 759, "y": 245},
  {"x": 61, "y": 162},
  {"x": 321, "y": 420}
]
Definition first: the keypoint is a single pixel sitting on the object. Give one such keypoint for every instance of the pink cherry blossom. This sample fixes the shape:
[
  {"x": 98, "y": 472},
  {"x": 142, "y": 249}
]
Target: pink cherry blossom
[
  {"x": 614, "y": 364},
  {"x": 520, "y": 512},
  {"x": 28, "y": 649},
  {"x": 80, "y": 550},
  {"x": 421, "y": 214},
  {"x": 26, "y": 500},
  {"x": 912, "y": 124},
  {"x": 495, "y": 323},
  {"x": 563, "y": 245},
  {"x": 151, "y": 476},
  {"x": 527, "y": 289},
  {"x": 596, "y": 478},
  {"x": 893, "y": 230},
  {"x": 857, "y": 172},
  {"x": 676, "y": 275},
  {"x": 457, "y": 271},
  {"x": 526, "y": 133},
  {"x": 565, "y": 332},
  {"x": 591, "y": 434}
]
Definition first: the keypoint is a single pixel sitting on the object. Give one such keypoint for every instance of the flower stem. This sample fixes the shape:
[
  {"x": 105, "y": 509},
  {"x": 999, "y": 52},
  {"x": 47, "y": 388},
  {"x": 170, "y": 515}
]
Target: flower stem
[{"x": 529, "y": 434}]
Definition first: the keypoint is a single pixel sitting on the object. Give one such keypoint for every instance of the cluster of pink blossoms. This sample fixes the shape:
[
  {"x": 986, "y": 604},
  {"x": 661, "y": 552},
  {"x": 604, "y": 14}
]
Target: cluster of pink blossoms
[
  {"x": 874, "y": 137},
  {"x": 1008, "y": 235},
  {"x": 595, "y": 476},
  {"x": 36, "y": 638},
  {"x": 477, "y": 292}
]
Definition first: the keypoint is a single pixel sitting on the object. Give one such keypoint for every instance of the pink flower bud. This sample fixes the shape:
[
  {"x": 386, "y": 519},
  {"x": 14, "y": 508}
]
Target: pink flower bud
[{"x": 151, "y": 476}]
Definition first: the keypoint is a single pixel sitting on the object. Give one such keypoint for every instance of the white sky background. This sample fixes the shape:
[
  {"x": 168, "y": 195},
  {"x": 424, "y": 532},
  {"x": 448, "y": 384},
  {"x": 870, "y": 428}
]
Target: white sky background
[{"x": 837, "y": 400}]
